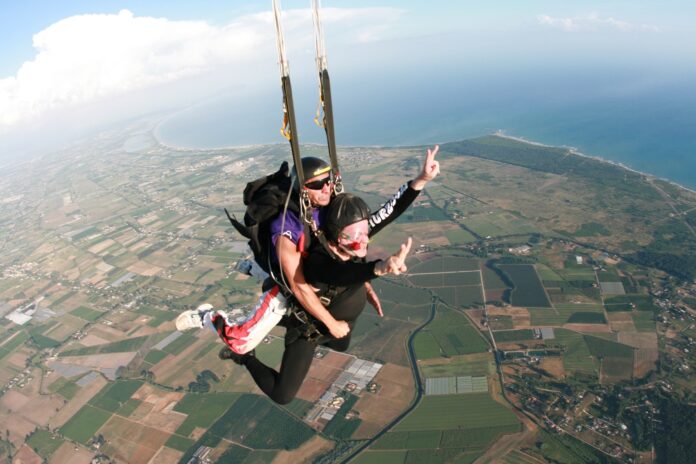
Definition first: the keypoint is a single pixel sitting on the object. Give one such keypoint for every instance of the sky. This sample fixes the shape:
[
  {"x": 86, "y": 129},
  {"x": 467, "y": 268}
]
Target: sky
[{"x": 69, "y": 67}]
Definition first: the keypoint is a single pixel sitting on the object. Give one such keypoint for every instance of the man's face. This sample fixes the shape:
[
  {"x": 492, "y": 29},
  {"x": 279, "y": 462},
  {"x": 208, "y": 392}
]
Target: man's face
[{"x": 320, "y": 196}]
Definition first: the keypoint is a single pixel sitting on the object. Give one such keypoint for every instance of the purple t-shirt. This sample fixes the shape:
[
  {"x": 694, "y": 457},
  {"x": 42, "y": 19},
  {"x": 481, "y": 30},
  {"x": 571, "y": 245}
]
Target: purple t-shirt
[{"x": 292, "y": 229}]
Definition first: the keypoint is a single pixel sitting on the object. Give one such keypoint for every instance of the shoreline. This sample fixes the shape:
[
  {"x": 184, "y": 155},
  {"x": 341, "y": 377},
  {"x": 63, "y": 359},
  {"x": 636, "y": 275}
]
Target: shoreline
[
  {"x": 498, "y": 133},
  {"x": 575, "y": 151}
]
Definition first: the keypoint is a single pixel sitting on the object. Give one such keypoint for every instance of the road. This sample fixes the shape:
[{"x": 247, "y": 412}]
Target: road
[{"x": 419, "y": 387}]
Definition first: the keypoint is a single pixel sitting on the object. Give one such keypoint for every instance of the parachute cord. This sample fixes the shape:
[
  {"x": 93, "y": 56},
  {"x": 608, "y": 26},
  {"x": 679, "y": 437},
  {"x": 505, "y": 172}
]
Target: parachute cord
[
  {"x": 289, "y": 127},
  {"x": 283, "y": 64},
  {"x": 318, "y": 37},
  {"x": 320, "y": 118},
  {"x": 282, "y": 60},
  {"x": 283, "y": 282},
  {"x": 324, "y": 114}
]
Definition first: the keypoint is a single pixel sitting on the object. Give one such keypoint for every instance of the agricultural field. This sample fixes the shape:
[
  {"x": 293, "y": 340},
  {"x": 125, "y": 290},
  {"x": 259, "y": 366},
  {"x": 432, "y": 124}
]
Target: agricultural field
[
  {"x": 83, "y": 425},
  {"x": 629, "y": 303},
  {"x": 577, "y": 357},
  {"x": 456, "y": 280},
  {"x": 255, "y": 422},
  {"x": 528, "y": 291},
  {"x": 202, "y": 410},
  {"x": 115, "y": 395},
  {"x": 449, "y": 334},
  {"x": 503, "y": 336},
  {"x": 86, "y": 313},
  {"x": 480, "y": 364},
  {"x": 44, "y": 443},
  {"x": 443, "y": 428},
  {"x": 644, "y": 321},
  {"x": 561, "y": 314},
  {"x": 444, "y": 438},
  {"x": 447, "y": 412},
  {"x": 383, "y": 338}
]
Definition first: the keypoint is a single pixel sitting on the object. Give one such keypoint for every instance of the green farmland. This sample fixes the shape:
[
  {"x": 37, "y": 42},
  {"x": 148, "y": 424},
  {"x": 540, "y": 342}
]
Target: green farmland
[
  {"x": 475, "y": 365},
  {"x": 601, "y": 348},
  {"x": 82, "y": 426},
  {"x": 577, "y": 357},
  {"x": 202, "y": 409},
  {"x": 448, "y": 428},
  {"x": 44, "y": 443},
  {"x": 629, "y": 303},
  {"x": 115, "y": 394},
  {"x": 519, "y": 335},
  {"x": 86, "y": 313},
  {"x": 446, "y": 412},
  {"x": 564, "y": 313},
  {"x": 449, "y": 334},
  {"x": 255, "y": 422}
]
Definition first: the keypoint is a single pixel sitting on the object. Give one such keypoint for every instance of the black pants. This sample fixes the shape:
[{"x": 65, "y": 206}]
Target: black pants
[{"x": 282, "y": 386}]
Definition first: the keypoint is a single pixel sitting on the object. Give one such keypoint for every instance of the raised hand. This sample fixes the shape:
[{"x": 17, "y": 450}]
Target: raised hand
[
  {"x": 431, "y": 168},
  {"x": 396, "y": 263}
]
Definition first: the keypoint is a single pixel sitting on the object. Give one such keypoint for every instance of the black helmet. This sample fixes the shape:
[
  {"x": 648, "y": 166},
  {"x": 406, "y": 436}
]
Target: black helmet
[
  {"x": 344, "y": 210},
  {"x": 311, "y": 167}
]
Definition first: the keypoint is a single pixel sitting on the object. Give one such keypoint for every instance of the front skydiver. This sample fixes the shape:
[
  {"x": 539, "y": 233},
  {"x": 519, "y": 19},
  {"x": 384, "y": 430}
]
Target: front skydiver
[{"x": 339, "y": 270}]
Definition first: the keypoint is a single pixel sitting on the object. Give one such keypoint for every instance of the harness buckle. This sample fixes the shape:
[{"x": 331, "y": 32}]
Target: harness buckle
[{"x": 325, "y": 300}]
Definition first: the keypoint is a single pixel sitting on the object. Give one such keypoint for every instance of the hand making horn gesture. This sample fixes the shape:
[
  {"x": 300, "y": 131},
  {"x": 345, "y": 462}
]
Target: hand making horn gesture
[{"x": 396, "y": 263}]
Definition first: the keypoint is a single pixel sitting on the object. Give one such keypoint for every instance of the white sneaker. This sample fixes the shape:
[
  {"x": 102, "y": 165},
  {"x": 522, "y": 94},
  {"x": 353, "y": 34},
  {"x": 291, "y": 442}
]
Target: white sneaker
[{"x": 192, "y": 318}]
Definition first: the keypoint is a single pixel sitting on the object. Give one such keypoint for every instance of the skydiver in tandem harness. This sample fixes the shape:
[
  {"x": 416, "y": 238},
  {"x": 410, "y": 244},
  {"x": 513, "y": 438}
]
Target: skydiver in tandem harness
[{"x": 319, "y": 277}]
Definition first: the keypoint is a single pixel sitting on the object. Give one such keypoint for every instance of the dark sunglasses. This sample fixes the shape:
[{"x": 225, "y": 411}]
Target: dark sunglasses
[{"x": 318, "y": 184}]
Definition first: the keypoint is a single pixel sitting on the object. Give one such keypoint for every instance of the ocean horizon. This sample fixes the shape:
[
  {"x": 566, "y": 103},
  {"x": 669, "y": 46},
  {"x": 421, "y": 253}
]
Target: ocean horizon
[{"x": 645, "y": 128}]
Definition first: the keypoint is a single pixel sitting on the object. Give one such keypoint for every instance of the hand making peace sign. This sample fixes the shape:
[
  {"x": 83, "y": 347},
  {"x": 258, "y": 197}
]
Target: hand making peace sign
[
  {"x": 431, "y": 168},
  {"x": 396, "y": 263}
]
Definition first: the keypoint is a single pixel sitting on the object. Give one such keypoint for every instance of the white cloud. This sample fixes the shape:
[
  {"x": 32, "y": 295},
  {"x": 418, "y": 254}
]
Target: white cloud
[
  {"x": 85, "y": 58},
  {"x": 593, "y": 22}
]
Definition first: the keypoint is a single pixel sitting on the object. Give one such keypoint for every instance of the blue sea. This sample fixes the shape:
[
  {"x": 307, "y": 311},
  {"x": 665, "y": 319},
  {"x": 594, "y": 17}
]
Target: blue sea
[{"x": 647, "y": 122}]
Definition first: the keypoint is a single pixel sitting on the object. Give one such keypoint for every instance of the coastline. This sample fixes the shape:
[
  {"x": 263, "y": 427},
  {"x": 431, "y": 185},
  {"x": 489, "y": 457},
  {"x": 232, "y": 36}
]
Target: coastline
[
  {"x": 498, "y": 133},
  {"x": 155, "y": 133},
  {"x": 574, "y": 151}
]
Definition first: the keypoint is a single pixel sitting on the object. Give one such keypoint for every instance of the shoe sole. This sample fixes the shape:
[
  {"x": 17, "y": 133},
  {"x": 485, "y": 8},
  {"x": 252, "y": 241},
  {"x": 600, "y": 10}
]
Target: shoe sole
[{"x": 184, "y": 321}]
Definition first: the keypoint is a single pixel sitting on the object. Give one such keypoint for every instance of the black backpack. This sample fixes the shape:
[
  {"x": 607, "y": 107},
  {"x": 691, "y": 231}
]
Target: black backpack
[{"x": 265, "y": 199}]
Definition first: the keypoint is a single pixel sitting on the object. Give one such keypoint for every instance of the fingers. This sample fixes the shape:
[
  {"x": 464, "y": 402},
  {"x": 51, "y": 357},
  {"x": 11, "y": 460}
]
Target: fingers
[
  {"x": 431, "y": 168},
  {"x": 340, "y": 330},
  {"x": 405, "y": 248},
  {"x": 396, "y": 263},
  {"x": 430, "y": 156}
]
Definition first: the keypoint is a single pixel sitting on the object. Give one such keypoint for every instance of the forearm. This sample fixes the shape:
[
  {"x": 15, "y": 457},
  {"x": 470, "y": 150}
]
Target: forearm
[
  {"x": 290, "y": 262},
  {"x": 305, "y": 296},
  {"x": 418, "y": 184},
  {"x": 393, "y": 208}
]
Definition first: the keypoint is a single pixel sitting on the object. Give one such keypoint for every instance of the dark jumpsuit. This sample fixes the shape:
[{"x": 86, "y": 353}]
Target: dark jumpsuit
[{"x": 349, "y": 298}]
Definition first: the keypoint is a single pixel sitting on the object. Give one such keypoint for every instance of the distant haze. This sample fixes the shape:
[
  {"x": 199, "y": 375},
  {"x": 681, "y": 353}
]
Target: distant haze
[{"x": 613, "y": 80}]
